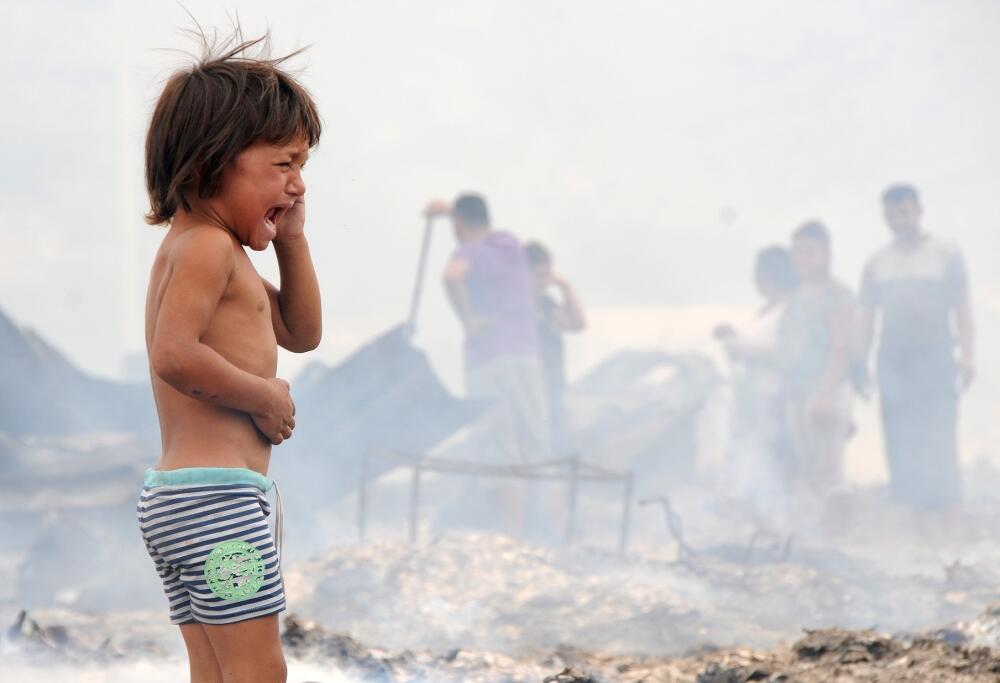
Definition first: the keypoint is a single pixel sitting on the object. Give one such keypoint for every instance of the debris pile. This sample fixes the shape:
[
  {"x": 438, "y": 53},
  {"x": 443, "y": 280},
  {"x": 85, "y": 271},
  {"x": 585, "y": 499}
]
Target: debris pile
[
  {"x": 571, "y": 676},
  {"x": 309, "y": 641},
  {"x": 821, "y": 655},
  {"x": 81, "y": 638},
  {"x": 983, "y": 631},
  {"x": 838, "y": 654},
  {"x": 493, "y": 593}
]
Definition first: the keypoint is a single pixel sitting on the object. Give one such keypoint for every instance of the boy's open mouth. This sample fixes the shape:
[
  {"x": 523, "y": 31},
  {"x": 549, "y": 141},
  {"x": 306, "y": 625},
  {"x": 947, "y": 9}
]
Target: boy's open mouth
[{"x": 271, "y": 220}]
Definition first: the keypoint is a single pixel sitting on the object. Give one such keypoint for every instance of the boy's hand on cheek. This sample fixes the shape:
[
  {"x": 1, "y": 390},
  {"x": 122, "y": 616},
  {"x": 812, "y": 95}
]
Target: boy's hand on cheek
[{"x": 292, "y": 223}]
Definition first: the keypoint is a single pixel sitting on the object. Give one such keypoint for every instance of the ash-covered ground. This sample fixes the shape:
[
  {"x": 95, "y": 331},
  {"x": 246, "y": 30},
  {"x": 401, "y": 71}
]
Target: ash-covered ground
[
  {"x": 718, "y": 597},
  {"x": 478, "y": 606},
  {"x": 136, "y": 646}
]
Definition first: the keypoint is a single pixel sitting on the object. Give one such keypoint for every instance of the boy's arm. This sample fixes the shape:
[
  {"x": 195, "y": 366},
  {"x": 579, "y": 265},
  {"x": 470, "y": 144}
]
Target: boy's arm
[
  {"x": 201, "y": 270},
  {"x": 296, "y": 313}
]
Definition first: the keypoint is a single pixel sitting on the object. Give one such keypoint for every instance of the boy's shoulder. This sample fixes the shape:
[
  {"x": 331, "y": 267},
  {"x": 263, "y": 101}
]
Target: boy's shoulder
[
  {"x": 201, "y": 241},
  {"x": 201, "y": 249}
]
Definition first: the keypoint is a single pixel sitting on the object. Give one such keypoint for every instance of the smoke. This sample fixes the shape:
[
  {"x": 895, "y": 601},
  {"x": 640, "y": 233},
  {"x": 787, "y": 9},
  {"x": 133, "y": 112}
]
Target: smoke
[{"x": 652, "y": 186}]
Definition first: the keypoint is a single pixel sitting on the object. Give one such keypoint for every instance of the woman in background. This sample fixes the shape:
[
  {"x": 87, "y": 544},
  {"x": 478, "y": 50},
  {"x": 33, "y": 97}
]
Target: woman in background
[{"x": 759, "y": 448}]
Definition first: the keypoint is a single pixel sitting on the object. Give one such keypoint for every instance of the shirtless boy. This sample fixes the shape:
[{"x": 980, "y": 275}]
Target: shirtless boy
[{"x": 224, "y": 155}]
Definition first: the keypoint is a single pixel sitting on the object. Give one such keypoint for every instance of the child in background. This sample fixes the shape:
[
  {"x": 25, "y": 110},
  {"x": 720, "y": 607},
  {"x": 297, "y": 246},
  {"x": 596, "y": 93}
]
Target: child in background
[
  {"x": 817, "y": 344},
  {"x": 556, "y": 316}
]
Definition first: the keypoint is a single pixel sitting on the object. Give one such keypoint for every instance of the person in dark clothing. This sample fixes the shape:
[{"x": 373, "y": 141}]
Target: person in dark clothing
[
  {"x": 917, "y": 289},
  {"x": 556, "y": 315}
]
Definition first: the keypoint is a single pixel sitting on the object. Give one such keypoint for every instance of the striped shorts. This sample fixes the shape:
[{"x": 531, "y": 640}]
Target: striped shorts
[{"x": 207, "y": 532}]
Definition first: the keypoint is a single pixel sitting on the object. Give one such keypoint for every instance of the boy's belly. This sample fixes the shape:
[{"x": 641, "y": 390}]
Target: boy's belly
[
  {"x": 198, "y": 434},
  {"x": 195, "y": 434}
]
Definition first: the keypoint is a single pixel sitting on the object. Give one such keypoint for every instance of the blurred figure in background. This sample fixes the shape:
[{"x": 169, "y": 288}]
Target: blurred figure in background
[
  {"x": 759, "y": 451},
  {"x": 556, "y": 316},
  {"x": 490, "y": 290},
  {"x": 916, "y": 291},
  {"x": 817, "y": 342}
]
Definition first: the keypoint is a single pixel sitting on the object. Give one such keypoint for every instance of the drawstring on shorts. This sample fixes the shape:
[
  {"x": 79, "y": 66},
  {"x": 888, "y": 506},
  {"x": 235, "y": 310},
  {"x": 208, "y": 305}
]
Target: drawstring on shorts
[{"x": 279, "y": 522}]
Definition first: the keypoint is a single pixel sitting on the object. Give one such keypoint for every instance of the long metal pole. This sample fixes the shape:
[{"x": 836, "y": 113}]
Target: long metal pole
[{"x": 418, "y": 286}]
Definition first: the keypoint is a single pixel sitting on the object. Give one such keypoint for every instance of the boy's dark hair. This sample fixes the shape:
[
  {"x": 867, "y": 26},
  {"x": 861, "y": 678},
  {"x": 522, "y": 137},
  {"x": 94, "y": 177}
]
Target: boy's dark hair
[
  {"x": 900, "y": 192},
  {"x": 775, "y": 263},
  {"x": 815, "y": 231},
  {"x": 537, "y": 254},
  {"x": 471, "y": 208},
  {"x": 209, "y": 113}
]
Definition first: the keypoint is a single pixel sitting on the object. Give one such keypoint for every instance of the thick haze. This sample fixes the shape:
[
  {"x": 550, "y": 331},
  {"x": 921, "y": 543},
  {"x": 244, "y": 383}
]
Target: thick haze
[{"x": 653, "y": 146}]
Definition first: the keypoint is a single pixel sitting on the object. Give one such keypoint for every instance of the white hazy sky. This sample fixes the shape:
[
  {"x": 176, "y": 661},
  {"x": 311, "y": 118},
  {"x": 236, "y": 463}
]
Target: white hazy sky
[{"x": 653, "y": 145}]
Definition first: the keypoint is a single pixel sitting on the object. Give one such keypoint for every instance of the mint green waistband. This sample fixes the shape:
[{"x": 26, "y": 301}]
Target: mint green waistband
[{"x": 209, "y": 476}]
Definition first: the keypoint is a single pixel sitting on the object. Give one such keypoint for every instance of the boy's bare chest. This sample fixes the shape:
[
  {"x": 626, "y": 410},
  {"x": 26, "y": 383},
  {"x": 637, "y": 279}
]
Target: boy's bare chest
[{"x": 241, "y": 328}]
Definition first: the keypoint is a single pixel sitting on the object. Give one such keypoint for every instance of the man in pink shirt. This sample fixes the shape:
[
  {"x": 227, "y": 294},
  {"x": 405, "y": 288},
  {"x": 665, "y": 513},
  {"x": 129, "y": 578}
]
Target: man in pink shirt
[{"x": 489, "y": 288}]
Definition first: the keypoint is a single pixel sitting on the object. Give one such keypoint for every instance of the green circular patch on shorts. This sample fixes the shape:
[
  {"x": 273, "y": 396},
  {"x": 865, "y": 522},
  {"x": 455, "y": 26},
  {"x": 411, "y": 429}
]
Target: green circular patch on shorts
[{"x": 234, "y": 570}]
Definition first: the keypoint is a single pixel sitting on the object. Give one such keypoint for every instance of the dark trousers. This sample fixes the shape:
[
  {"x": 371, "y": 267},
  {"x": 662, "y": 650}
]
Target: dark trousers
[{"x": 919, "y": 399}]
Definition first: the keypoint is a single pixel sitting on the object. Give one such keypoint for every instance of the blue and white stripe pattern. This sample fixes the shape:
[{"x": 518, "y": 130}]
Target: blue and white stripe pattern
[{"x": 184, "y": 515}]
